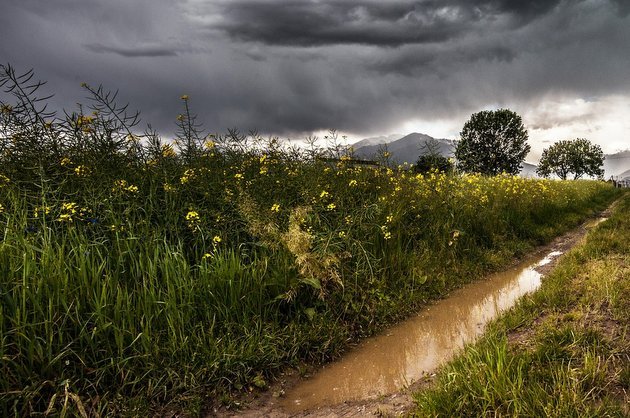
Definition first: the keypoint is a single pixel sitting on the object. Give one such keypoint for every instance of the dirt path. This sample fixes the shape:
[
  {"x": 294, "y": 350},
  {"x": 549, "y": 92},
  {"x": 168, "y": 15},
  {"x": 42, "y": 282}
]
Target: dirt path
[{"x": 267, "y": 404}]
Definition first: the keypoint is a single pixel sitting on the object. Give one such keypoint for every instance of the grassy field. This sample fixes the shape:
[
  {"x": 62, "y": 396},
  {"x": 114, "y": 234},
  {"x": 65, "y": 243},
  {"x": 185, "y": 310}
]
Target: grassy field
[
  {"x": 563, "y": 352},
  {"x": 139, "y": 275}
]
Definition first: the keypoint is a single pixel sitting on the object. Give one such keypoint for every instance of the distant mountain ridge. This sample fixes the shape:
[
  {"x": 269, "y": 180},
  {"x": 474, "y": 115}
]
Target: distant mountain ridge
[
  {"x": 376, "y": 140},
  {"x": 406, "y": 149},
  {"x": 617, "y": 163}
]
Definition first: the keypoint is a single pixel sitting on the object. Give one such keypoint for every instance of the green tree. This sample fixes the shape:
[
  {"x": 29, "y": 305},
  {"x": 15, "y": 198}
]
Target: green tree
[
  {"x": 578, "y": 156},
  {"x": 432, "y": 159},
  {"x": 492, "y": 142}
]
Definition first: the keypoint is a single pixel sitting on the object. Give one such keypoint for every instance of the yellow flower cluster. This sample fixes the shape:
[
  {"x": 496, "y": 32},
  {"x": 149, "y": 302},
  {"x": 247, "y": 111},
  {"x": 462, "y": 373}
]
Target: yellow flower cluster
[
  {"x": 85, "y": 123},
  {"x": 275, "y": 207},
  {"x": 192, "y": 219},
  {"x": 122, "y": 186},
  {"x": 386, "y": 233},
  {"x": 67, "y": 211},
  {"x": 168, "y": 151},
  {"x": 42, "y": 210},
  {"x": 189, "y": 175},
  {"x": 82, "y": 171}
]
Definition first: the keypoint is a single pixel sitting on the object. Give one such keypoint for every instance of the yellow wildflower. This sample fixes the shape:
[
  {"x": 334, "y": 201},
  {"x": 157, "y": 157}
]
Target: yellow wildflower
[
  {"x": 70, "y": 207},
  {"x": 184, "y": 97},
  {"x": 275, "y": 207},
  {"x": 189, "y": 175},
  {"x": 352, "y": 183},
  {"x": 342, "y": 234},
  {"x": 168, "y": 151},
  {"x": 331, "y": 206},
  {"x": 209, "y": 144},
  {"x": 65, "y": 217},
  {"x": 192, "y": 216},
  {"x": 216, "y": 240},
  {"x": 65, "y": 161},
  {"x": 169, "y": 187},
  {"x": 82, "y": 171},
  {"x": 324, "y": 194},
  {"x": 386, "y": 234},
  {"x": 44, "y": 210}
]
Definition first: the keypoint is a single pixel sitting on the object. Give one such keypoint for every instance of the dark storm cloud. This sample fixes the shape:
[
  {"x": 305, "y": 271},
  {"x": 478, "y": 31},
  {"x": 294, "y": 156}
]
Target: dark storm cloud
[
  {"x": 325, "y": 23},
  {"x": 391, "y": 23},
  {"x": 290, "y": 67},
  {"x": 623, "y": 7},
  {"x": 146, "y": 51}
]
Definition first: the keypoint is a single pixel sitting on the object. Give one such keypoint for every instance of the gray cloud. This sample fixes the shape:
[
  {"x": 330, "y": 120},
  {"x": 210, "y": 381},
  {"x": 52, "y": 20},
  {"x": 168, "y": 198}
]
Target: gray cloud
[
  {"x": 293, "y": 67},
  {"x": 365, "y": 22},
  {"x": 142, "y": 51}
]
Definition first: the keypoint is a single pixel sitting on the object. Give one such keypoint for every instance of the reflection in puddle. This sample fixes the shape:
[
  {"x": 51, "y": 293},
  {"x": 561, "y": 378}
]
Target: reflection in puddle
[
  {"x": 594, "y": 223},
  {"x": 388, "y": 362}
]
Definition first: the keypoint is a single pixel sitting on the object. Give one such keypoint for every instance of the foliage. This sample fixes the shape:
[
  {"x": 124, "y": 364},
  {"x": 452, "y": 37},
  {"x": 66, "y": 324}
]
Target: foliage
[
  {"x": 578, "y": 156},
  {"x": 135, "y": 277},
  {"x": 431, "y": 159},
  {"x": 492, "y": 142}
]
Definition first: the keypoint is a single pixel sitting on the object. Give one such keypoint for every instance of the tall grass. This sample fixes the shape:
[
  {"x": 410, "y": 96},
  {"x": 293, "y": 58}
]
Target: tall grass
[
  {"x": 562, "y": 352},
  {"x": 138, "y": 274}
]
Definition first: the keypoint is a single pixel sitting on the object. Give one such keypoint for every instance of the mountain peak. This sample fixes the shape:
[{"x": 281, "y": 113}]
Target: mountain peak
[{"x": 406, "y": 148}]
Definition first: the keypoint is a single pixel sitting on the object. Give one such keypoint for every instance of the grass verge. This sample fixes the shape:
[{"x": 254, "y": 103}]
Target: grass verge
[{"x": 563, "y": 351}]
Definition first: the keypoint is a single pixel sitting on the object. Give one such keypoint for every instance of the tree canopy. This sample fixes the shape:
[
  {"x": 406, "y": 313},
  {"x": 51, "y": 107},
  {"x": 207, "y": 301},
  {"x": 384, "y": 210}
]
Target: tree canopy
[
  {"x": 578, "y": 156},
  {"x": 492, "y": 142},
  {"x": 432, "y": 159}
]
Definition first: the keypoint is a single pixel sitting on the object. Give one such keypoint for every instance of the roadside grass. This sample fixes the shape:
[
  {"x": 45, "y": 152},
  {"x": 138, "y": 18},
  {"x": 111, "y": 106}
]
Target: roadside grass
[{"x": 563, "y": 351}]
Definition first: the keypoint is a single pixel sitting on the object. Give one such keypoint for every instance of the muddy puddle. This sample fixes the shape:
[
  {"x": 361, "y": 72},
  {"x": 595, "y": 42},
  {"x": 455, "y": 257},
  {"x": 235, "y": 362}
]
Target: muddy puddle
[{"x": 388, "y": 362}]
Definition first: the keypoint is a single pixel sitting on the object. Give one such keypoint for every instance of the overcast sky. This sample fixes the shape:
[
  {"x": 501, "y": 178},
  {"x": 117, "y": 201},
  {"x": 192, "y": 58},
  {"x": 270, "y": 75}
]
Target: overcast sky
[{"x": 363, "y": 67}]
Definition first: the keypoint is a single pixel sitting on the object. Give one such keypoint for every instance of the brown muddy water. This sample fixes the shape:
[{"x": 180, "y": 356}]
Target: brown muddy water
[{"x": 393, "y": 360}]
